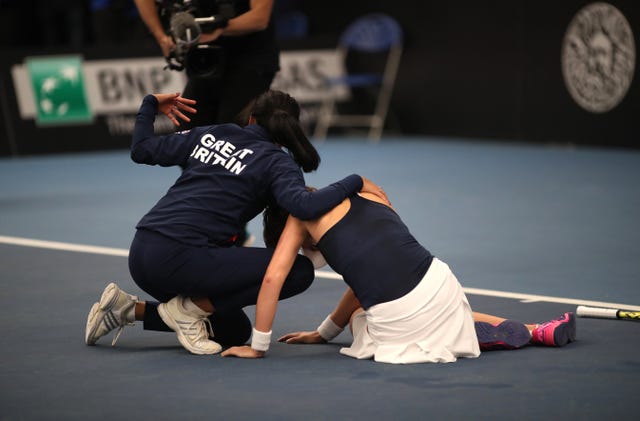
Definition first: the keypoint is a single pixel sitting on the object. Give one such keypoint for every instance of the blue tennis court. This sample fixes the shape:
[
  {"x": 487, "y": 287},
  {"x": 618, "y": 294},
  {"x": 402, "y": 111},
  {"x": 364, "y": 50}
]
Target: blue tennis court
[{"x": 530, "y": 231}]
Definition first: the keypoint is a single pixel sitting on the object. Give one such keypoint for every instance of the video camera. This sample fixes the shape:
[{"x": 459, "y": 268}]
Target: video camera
[{"x": 186, "y": 20}]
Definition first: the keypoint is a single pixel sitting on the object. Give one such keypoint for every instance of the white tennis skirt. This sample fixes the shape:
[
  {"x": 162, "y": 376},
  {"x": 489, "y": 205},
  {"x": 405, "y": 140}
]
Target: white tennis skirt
[{"x": 432, "y": 323}]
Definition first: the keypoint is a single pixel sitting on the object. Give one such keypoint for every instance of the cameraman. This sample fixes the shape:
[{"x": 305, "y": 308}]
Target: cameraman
[{"x": 248, "y": 56}]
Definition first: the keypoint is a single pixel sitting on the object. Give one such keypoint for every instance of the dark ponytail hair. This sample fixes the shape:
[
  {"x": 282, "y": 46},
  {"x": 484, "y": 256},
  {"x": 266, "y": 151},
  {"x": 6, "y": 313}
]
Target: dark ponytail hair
[
  {"x": 279, "y": 114},
  {"x": 274, "y": 218}
]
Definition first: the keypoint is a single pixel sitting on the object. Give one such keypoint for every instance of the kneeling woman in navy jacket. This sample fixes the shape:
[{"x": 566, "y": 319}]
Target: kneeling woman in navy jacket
[{"x": 182, "y": 253}]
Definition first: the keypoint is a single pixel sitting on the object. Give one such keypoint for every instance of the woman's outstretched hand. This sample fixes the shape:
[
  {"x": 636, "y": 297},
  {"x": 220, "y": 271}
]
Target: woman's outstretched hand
[
  {"x": 302, "y": 338},
  {"x": 242, "y": 352},
  {"x": 174, "y": 106}
]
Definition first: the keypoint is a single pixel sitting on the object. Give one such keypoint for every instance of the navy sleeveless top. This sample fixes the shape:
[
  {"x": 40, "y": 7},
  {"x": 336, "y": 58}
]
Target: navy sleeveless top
[{"x": 374, "y": 252}]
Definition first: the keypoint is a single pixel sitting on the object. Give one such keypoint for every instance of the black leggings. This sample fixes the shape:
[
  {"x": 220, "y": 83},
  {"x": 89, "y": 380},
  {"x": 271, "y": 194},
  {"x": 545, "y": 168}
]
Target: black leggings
[{"x": 229, "y": 276}]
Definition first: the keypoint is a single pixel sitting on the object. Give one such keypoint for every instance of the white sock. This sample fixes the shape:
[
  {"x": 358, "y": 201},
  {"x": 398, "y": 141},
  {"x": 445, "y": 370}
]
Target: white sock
[
  {"x": 192, "y": 308},
  {"x": 130, "y": 315}
]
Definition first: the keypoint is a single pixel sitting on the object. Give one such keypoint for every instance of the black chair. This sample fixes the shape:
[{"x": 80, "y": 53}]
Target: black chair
[{"x": 370, "y": 34}]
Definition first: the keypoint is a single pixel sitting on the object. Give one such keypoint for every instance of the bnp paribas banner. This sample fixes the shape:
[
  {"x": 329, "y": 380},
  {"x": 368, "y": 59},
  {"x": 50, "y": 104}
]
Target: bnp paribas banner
[
  {"x": 67, "y": 90},
  {"x": 58, "y": 90}
]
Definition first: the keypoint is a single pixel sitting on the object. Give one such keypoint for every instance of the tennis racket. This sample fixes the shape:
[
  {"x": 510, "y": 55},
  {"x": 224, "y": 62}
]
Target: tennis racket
[{"x": 607, "y": 313}]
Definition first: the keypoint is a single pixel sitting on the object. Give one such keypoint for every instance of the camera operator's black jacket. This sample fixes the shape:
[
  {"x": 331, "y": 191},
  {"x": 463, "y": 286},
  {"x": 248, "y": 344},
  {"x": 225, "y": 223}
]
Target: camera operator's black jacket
[{"x": 259, "y": 50}]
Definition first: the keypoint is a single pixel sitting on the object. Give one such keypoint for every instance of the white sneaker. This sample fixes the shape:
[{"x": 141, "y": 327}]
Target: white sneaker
[
  {"x": 193, "y": 329},
  {"x": 115, "y": 309}
]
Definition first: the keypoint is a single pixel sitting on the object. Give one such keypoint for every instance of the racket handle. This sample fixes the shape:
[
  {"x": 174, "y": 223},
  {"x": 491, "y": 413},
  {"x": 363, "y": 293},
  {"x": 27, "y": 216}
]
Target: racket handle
[
  {"x": 629, "y": 315},
  {"x": 599, "y": 313}
]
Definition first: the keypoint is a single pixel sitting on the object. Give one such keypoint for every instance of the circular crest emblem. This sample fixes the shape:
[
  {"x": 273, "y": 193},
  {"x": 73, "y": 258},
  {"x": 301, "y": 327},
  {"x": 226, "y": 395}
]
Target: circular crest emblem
[{"x": 598, "y": 57}]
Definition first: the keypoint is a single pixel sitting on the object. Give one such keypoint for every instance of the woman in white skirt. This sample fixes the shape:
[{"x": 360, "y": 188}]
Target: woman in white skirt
[{"x": 404, "y": 304}]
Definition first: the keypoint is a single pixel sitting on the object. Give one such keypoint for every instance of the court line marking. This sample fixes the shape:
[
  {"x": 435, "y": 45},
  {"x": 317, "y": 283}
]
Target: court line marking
[
  {"x": 55, "y": 245},
  {"x": 111, "y": 251},
  {"x": 524, "y": 298}
]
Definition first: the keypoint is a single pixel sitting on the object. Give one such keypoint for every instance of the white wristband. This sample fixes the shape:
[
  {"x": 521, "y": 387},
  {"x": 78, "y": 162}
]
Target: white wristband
[
  {"x": 260, "y": 340},
  {"x": 328, "y": 329}
]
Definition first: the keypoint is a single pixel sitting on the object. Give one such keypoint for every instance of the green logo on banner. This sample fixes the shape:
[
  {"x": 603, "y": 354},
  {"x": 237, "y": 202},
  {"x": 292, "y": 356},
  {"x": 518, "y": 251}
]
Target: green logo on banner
[{"x": 58, "y": 89}]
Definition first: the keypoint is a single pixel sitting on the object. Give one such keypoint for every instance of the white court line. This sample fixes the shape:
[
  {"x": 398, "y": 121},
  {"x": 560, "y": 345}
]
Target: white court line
[
  {"x": 54, "y": 245},
  {"x": 109, "y": 251},
  {"x": 524, "y": 298}
]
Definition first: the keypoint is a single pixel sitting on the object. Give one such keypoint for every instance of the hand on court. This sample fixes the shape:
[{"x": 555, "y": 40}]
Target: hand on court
[
  {"x": 242, "y": 352},
  {"x": 173, "y": 105},
  {"x": 302, "y": 338}
]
